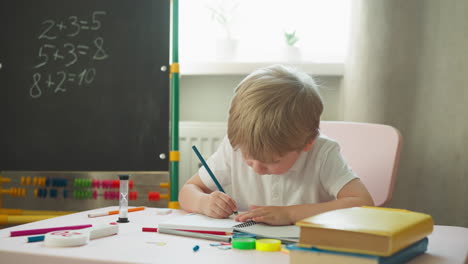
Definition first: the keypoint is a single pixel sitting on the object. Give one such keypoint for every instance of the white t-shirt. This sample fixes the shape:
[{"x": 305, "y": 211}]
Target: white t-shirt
[{"x": 317, "y": 176}]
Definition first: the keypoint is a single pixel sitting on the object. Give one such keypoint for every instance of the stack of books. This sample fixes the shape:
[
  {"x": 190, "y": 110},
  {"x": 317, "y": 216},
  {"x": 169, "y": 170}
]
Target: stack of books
[{"x": 362, "y": 235}]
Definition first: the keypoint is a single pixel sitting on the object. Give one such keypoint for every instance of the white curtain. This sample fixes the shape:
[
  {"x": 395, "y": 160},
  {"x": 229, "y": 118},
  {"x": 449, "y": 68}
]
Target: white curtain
[{"x": 408, "y": 67}]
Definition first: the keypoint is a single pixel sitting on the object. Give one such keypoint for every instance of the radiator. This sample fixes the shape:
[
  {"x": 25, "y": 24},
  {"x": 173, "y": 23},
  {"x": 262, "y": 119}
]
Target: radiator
[{"x": 206, "y": 136}]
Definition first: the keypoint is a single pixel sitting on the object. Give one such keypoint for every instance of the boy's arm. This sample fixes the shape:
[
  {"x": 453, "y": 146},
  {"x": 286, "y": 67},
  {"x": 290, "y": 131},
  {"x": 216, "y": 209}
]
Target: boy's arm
[
  {"x": 196, "y": 197},
  {"x": 354, "y": 193},
  {"x": 192, "y": 193}
]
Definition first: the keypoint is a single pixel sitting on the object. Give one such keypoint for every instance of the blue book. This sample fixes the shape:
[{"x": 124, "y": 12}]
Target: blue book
[{"x": 316, "y": 255}]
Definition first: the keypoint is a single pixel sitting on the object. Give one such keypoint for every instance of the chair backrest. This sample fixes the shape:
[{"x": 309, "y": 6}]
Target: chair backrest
[{"x": 372, "y": 151}]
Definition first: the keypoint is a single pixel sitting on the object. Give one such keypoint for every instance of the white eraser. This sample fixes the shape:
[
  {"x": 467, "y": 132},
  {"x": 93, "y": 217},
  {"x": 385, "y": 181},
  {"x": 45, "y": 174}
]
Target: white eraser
[
  {"x": 103, "y": 230},
  {"x": 163, "y": 211}
]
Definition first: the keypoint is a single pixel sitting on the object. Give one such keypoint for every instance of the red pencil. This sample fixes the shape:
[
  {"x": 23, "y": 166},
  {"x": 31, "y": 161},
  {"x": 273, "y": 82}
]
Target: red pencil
[
  {"x": 152, "y": 229},
  {"x": 207, "y": 232},
  {"x": 46, "y": 230}
]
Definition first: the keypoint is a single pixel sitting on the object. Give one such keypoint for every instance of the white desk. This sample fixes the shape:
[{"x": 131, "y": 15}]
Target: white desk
[{"x": 131, "y": 245}]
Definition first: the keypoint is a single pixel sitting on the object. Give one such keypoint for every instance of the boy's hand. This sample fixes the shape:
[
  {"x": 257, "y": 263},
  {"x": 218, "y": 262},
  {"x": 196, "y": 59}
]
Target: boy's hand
[
  {"x": 272, "y": 215},
  {"x": 218, "y": 205}
]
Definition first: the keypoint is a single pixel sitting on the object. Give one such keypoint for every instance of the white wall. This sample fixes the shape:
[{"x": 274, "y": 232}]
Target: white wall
[{"x": 207, "y": 98}]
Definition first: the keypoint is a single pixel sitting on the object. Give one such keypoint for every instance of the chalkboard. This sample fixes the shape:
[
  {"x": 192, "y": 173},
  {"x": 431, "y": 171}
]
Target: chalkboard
[{"x": 84, "y": 85}]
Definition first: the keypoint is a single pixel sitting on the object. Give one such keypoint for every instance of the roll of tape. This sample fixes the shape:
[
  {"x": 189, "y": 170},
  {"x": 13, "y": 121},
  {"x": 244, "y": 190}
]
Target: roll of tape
[
  {"x": 66, "y": 238},
  {"x": 243, "y": 243},
  {"x": 268, "y": 245}
]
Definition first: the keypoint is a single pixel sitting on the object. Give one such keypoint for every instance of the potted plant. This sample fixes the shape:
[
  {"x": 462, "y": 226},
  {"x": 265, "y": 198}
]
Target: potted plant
[
  {"x": 291, "y": 51},
  {"x": 223, "y": 13}
]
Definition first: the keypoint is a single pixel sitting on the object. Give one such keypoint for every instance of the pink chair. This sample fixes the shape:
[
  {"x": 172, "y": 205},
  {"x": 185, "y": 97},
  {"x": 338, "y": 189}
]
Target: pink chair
[{"x": 372, "y": 151}]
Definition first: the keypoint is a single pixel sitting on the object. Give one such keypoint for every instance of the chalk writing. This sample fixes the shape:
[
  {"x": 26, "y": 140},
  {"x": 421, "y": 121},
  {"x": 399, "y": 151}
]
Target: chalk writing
[{"x": 69, "y": 49}]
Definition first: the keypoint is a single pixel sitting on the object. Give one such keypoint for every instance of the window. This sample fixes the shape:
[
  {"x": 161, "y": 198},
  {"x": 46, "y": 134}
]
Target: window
[{"x": 253, "y": 31}]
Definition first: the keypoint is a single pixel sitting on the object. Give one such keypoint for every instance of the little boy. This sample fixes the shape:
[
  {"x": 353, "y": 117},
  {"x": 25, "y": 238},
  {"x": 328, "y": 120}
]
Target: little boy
[{"x": 278, "y": 165}]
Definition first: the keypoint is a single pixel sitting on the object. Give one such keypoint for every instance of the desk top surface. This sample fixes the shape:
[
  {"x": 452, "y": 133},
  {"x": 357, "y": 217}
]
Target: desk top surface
[{"x": 446, "y": 244}]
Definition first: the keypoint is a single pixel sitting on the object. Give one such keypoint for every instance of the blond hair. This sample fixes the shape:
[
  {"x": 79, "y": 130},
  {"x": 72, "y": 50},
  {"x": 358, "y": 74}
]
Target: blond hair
[{"x": 275, "y": 110}]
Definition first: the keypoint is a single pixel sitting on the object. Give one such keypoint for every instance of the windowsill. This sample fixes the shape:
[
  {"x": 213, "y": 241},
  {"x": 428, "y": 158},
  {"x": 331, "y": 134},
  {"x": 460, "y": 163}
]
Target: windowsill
[{"x": 244, "y": 68}]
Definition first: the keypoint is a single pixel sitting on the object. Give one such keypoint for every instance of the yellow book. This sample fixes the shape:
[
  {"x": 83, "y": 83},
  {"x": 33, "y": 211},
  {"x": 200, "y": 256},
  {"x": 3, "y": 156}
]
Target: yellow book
[{"x": 368, "y": 230}]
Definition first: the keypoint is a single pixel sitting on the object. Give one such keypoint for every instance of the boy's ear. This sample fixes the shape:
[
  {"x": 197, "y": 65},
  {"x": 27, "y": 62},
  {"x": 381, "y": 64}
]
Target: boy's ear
[{"x": 309, "y": 145}]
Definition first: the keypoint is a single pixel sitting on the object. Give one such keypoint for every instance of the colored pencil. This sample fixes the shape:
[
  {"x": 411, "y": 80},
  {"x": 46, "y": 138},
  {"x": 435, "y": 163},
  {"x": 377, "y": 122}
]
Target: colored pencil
[
  {"x": 36, "y": 238},
  {"x": 114, "y": 212},
  {"x": 193, "y": 234},
  {"x": 202, "y": 160},
  {"x": 46, "y": 230},
  {"x": 219, "y": 233}
]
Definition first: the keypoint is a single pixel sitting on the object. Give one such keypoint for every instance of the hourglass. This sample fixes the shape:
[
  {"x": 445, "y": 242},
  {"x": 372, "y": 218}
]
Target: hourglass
[{"x": 123, "y": 203}]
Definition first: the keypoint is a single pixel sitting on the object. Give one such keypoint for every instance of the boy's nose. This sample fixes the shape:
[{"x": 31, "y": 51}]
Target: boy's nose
[{"x": 258, "y": 167}]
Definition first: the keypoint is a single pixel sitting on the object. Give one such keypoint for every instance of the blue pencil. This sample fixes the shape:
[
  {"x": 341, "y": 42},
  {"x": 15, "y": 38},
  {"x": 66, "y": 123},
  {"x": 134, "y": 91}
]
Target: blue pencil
[
  {"x": 202, "y": 160},
  {"x": 36, "y": 238}
]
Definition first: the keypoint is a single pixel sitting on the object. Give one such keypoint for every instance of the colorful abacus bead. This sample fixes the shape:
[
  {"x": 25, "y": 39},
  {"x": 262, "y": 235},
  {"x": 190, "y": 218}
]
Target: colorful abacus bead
[{"x": 154, "y": 196}]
